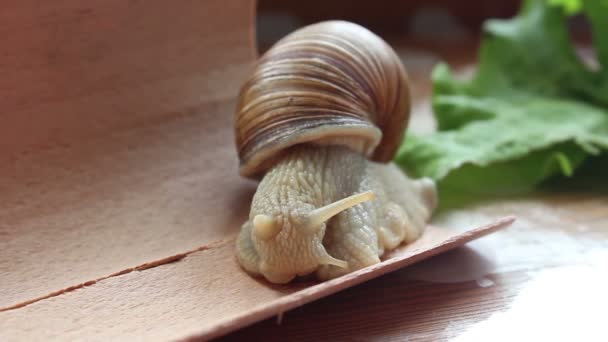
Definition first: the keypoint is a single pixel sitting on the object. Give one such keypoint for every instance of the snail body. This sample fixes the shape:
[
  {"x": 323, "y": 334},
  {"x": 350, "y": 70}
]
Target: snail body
[{"x": 319, "y": 121}]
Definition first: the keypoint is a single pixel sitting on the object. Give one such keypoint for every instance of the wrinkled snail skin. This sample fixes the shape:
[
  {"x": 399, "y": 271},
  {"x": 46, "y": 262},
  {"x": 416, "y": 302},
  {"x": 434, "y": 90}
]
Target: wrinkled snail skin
[
  {"x": 312, "y": 177},
  {"x": 319, "y": 121}
]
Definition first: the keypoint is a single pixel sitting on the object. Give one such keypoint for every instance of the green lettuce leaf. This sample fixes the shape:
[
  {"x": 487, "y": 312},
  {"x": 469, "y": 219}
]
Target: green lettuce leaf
[{"x": 532, "y": 111}]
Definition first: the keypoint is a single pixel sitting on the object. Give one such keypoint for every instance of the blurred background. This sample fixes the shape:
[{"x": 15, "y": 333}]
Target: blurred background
[
  {"x": 438, "y": 19},
  {"x": 422, "y": 33},
  {"x": 430, "y": 23}
]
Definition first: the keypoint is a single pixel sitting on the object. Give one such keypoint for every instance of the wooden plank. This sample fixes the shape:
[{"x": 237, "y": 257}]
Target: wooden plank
[
  {"x": 204, "y": 295},
  {"x": 115, "y": 143},
  {"x": 72, "y": 69}
]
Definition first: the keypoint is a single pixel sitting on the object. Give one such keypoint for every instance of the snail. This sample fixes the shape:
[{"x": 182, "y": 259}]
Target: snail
[{"x": 318, "y": 122}]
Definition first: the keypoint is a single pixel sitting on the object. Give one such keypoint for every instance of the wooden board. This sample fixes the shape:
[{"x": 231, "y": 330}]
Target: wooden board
[
  {"x": 116, "y": 142},
  {"x": 203, "y": 295}
]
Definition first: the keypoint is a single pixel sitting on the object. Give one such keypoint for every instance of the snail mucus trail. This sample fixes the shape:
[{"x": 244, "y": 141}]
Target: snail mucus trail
[{"x": 319, "y": 121}]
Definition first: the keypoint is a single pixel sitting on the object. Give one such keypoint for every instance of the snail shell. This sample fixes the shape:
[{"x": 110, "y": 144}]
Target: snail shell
[{"x": 329, "y": 83}]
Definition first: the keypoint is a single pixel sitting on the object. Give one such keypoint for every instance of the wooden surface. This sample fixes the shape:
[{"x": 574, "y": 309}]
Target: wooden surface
[
  {"x": 203, "y": 295},
  {"x": 107, "y": 106},
  {"x": 543, "y": 279},
  {"x": 117, "y": 157}
]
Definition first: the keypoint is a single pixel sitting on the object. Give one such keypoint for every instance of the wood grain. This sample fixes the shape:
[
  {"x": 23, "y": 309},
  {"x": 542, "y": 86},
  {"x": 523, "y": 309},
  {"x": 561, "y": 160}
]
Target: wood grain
[
  {"x": 116, "y": 122},
  {"x": 204, "y": 295},
  {"x": 71, "y": 70}
]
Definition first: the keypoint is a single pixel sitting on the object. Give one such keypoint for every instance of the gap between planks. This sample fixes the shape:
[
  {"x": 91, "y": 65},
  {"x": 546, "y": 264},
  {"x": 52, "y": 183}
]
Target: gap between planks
[{"x": 141, "y": 267}]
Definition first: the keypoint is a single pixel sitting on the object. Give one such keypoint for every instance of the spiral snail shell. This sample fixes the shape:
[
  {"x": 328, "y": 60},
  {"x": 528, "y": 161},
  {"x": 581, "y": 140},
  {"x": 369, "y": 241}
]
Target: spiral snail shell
[
  {"x": 318, "y": 121},
  {"x": 332, "y": 82}
]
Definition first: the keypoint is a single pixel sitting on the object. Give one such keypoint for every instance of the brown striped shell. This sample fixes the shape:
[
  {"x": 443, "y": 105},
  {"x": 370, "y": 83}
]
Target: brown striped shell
[{"x": 333, "y": 82}]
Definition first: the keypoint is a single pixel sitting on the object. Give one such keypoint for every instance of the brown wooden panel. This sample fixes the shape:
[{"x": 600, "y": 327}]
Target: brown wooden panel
[{"x": 116, "y": 124}]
